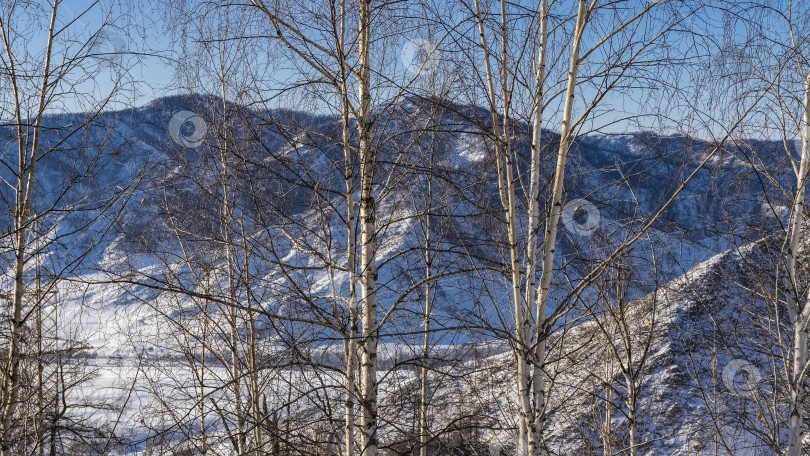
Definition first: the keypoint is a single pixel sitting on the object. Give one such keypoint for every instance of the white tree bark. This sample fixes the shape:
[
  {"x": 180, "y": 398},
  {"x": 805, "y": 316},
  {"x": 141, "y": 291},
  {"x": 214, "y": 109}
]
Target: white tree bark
[
  {"x": 24, "y": 189},
  {"x": 503, "y": 161},
  {"x": 550, "y": 239},
  {"x": 350, "y": 344},
  {"x": 253, "y": 365},
  {"x": 368, "y": 240},
  {"x": 226, "y": 218},
  {"x": 423, "y": 376},
  {"x": 538, "y": 387},
  {"x": 632, "y": 407},
  {"x": 350, "y": 341},
  {"x": 799, "y": 314},
  {"x": 506, "y": 183}
]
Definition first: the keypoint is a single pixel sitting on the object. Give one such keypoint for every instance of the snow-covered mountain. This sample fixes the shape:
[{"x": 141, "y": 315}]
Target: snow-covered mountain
[
  {"x": 284, "y": 176},
  {"x": 713, "y": 382},
  {"x": 287, "y": 161}
]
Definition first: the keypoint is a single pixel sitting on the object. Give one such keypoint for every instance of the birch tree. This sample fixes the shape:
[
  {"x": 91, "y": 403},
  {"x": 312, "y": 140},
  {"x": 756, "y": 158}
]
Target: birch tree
[
  {"x": 362, "y": 307},
  {"x": 46, "y": 60},
  {"x": 781, "y": 73},
  {"x": 629, "y": 328},
  {"x": 531, "y": 296},
  {"x": 798, "y": 309},
  {"x": 792, "y": 95},
  {"x": 344, "y": 69}
]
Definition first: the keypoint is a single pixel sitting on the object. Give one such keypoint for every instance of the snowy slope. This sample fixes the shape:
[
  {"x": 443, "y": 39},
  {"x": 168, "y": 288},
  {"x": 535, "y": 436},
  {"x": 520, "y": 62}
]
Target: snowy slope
[
  {"x": 171, "y": 188},
  {"x": 709, "y": 328}
]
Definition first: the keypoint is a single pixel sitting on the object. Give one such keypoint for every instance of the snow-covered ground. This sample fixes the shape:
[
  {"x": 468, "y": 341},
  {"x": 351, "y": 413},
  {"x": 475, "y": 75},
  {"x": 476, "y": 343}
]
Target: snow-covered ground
[{"x": 144, "y": 341}]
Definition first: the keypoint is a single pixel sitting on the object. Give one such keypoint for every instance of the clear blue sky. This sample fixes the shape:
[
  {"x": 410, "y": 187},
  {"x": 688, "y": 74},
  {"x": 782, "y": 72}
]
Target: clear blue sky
[
  {"x": 140, "y": 29},
  {"x": 137, "y": 28}
]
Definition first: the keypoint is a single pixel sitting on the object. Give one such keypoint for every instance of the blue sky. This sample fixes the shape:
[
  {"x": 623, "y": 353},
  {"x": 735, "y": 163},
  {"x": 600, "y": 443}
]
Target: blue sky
[
  {"x": 137, "y": 28},
  {"x": 140, "y": 29}
]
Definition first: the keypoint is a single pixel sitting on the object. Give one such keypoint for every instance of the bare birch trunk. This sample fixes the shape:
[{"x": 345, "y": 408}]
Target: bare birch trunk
[
  {"x": 507, "y": 185},
  {"x": 538, "y": 401},
  {"x": 368, "y": 240},
  {"x": 25, "y": 181},
  {"x": 233, "y": 369},
  {"x": 607, "y": 445},
  {"x": 799, "y": 316},
  {"x": 632, "y": 407},
  {"x": 350, "y": 340},
  {"x": 350, "y": 344},
  {"x": 550, "y": 239},
  {"x": 233, "y": 314},
  {"x": 423, "y": 387},
  {"x": 506, "y": 191},
  {"x": 253, "y": 377},
  {"x": 204, "y": 338}
]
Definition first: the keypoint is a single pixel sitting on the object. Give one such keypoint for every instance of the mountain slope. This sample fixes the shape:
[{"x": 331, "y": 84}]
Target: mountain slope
[
  {"x": 158, "y": 275},
  {"x": 712, "y": 384}
]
